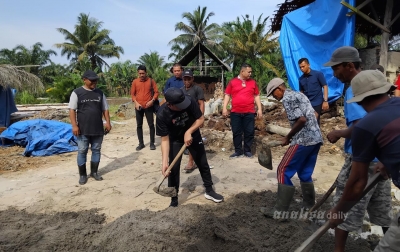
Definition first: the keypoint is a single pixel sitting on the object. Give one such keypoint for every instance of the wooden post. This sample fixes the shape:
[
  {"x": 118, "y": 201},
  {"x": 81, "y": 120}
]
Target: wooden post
[{"x": 383, "y": 59}]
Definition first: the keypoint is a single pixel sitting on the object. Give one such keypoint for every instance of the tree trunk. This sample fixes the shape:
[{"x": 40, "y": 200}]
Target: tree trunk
[
  {"x": 383, "y": 60},
  {"x": 278, "y": 129}
]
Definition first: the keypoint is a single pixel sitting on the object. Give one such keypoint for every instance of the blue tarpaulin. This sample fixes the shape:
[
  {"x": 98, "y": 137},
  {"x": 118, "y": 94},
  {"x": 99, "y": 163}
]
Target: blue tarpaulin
[
  {"x": 314, "y": 32},
  {"x": 42, "y": 137},
  {"x": 7, "y": 106}
]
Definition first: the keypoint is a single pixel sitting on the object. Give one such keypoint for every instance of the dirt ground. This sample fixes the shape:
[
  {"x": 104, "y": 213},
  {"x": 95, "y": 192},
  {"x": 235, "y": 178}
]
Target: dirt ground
[{"x": 43, "y": 208}]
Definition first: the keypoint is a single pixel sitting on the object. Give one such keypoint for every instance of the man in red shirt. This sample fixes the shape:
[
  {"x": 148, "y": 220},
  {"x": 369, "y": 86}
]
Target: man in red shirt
[{"x": 244, "y": 91}]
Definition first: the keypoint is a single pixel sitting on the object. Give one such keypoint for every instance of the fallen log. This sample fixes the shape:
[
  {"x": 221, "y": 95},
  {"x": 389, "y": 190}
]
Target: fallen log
[{"x": 277, "y": 129}]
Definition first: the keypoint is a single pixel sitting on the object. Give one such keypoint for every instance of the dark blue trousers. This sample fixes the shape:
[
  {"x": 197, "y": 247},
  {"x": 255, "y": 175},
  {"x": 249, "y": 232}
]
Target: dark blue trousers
[{"x": 242, "y": 124}]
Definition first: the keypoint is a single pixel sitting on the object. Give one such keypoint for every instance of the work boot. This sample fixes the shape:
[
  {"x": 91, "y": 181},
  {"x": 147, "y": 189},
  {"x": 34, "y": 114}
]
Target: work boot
[
  {"x": 82, "y": 174},
  {"x": 174, "y": 202},
  {"x": 307, "y": 189},
  {"x": 284, "y": 197},
  {"x": 94, "y": 167}
]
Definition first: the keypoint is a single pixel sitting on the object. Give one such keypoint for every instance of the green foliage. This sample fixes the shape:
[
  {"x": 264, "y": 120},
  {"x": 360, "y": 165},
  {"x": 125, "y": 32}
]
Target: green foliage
[
  {"x": 25, "y": 97},
  {"x": 63, "y": 87},
  {"x": 118, "y": 78}
]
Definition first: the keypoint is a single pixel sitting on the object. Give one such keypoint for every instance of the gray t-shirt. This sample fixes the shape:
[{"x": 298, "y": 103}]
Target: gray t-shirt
[
  {"x": 195, "y": 91},
  {"x": 297, "y": 105}
]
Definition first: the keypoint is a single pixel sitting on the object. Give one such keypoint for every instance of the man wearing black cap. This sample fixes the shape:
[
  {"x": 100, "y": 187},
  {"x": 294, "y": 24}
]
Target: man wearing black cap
[
  {"x": 178, "y": 121},
  {"x": 198, "y": 95},
  {"x": 87, "y": 106}
]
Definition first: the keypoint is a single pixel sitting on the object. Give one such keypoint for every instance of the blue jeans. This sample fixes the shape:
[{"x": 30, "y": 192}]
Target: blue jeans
[
  {"x": 83, "y": 146},
  {"x": 242, "y": 124}
]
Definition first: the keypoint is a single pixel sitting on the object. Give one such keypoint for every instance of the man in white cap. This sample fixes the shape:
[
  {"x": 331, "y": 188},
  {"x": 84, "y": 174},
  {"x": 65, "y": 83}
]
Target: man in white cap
[
  {"x": 375, "y": 135},
  {"x": 305, "y": 140},
  {"x": 345, "y": 63}
]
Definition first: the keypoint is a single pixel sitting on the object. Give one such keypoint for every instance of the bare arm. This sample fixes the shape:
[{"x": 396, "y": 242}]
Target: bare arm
[
  {"x": 224, "y": 108},
  {"x": 106, "y": 115},
  {"x": 201, "y": 105},
  {"x": 325, "y": 104},
  {"x": 72, "y": 117},
  {"x": 259, "y": 108},
  {"x": 397, "y": 93},
  {"x": 335, "y": 135},
  {"x": 165, "y": 154}
]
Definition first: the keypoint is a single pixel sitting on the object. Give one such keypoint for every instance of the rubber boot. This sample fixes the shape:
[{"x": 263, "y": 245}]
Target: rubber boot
[
  {"x": 284, "y": 197},
  {"x": 308, "y": 191},
  {"x": 82, "y": 174},
  {"x": 94, "y": 166}
]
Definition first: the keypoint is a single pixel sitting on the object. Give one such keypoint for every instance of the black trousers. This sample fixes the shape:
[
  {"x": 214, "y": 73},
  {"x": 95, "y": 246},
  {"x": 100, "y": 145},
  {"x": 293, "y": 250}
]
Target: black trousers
[
  {"x": 199, "y": 156},
  {"x": 318, "y": 109},
  {"x": 242, "y": 125},
  {"x": 150, "y": 121}
]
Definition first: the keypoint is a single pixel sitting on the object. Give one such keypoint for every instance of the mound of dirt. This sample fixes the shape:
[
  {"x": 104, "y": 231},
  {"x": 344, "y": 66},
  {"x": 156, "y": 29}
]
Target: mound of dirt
[{"x": 234, "y": 225}]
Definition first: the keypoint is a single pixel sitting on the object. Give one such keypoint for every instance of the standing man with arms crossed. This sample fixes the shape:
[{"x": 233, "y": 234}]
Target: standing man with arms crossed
[
  {"x": 143, "y": 98},
  {"x": 345, "y": 63},
  {"x": 305, "y": 140},
  {"x": 311, "y": 84},
  {"x": 178, "y": 122},
  {"x": 198, "y": 95},
  {"x": 87, "y": 106},
  {"x": 244, "y": 91},
  {"x": 375, "y": 135}
]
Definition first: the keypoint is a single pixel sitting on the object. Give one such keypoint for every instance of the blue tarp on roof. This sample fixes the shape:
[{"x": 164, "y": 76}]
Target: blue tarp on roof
[
  {"x": 314, "y": 32},
  {"x": 42, "y": 137}
]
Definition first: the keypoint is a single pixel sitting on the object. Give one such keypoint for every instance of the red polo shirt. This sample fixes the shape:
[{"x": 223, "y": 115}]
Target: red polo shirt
[{"x": 242, "y": 97}]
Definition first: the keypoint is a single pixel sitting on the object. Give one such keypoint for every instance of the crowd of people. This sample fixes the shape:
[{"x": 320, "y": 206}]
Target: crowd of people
[{"x": 372, "y": 136}]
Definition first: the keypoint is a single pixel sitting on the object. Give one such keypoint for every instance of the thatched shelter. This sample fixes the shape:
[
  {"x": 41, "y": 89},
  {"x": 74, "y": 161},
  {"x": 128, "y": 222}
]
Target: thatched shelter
[{"x": 14, "y": 77}]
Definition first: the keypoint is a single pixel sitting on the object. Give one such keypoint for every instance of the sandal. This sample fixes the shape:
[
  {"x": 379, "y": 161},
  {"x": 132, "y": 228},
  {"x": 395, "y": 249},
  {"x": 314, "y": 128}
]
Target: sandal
[{"x": 190, "y": 168}]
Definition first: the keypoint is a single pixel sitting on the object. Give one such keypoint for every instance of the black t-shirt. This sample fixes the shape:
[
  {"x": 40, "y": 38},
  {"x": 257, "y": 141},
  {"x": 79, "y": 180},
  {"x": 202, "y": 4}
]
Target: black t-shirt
[
  {"x": 378, "y": 135},
  {"x": 175, "y": 123},
  {"x": 195, "y": 91},
  {"x": 90, "y": 111}
]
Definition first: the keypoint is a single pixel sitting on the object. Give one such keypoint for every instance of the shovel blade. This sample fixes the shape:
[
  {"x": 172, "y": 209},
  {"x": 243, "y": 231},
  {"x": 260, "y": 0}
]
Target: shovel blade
[{"x": 265, "y": 157}]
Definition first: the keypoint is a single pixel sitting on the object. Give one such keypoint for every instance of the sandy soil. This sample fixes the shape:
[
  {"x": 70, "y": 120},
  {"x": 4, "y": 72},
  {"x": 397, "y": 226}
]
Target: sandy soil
[{"x": 42, "y": 206}]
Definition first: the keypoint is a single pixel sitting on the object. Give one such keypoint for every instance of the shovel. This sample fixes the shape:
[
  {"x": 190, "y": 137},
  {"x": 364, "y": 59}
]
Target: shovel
[
  {"x": 168, "y": 191},
  {"x": 307, "y": 244},
  {"x": 265, "y": 155}
]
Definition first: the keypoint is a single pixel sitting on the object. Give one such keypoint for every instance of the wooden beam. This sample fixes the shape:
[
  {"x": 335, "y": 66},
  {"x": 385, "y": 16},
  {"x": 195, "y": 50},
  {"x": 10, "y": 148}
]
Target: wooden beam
[
  {"x": 359, "y": 7},
  {"x": 373, "y": 11},
  {"x": 361, "y": 14},
  {"x": 383, "y": 59},
  {"x": 394, "y": 19}
]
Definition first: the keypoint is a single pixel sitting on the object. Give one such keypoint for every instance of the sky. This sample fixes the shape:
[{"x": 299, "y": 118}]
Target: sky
[{"x": 139, "y": 27}]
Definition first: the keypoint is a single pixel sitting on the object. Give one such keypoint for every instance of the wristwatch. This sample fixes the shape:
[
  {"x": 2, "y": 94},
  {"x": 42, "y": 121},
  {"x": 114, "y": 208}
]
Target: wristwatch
[{"x": 325, "y": 100}]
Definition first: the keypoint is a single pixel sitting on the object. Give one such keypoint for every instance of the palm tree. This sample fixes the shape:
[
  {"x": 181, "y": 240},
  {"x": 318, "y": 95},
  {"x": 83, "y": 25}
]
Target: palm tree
[
  {"x": 197, "y": 30},
  {"x": 119, "y": 77},
  {"x": 34, "y": 58},
  {"x": 89, "y": 40}
]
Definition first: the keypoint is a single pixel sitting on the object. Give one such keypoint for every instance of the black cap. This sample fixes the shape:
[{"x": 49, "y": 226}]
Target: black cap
[
  {"x": 188, "y": 73},
  {"x": 90, "y": 75},
  {"x": 175, "y": 96}
]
